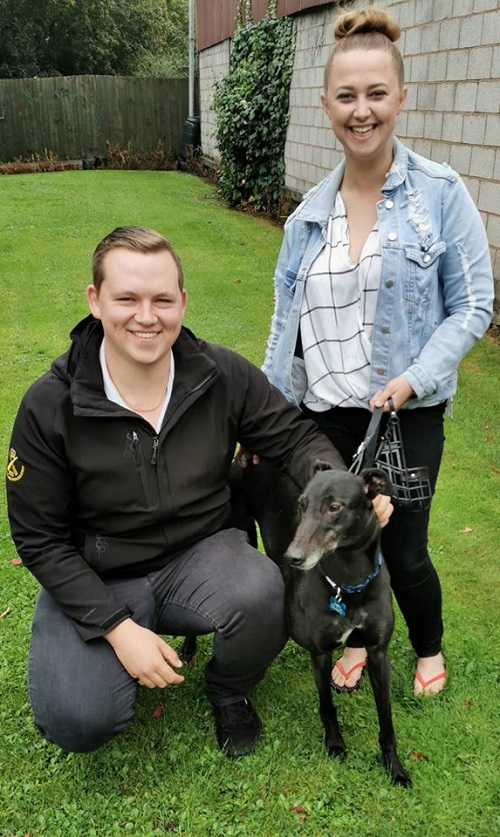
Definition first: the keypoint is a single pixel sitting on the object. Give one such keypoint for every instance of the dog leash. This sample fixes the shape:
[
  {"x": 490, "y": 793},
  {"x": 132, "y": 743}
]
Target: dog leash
[{"x": 365, "y": 454}]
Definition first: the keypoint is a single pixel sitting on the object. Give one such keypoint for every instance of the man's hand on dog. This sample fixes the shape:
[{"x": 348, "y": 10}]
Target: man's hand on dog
[
  {"x": 243, "y": 456},
  {"x": 146, "y": 656},
  {"x": 382, "y": 505}
]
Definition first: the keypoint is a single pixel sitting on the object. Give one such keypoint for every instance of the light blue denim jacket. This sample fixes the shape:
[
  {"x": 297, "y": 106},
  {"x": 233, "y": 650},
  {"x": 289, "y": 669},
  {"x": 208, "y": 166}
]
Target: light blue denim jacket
[{"x": 436, "y": 287}]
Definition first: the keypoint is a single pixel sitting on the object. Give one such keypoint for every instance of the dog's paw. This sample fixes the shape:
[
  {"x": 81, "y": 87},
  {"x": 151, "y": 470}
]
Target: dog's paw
[
  {"x": 401, "y": 778},
  {"x": 398, "y": 774},
  {"x": 336, "y": 749}
]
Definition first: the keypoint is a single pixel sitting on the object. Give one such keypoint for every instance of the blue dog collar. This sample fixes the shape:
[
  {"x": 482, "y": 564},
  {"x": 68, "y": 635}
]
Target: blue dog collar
[{"x": 335, "y": 604}]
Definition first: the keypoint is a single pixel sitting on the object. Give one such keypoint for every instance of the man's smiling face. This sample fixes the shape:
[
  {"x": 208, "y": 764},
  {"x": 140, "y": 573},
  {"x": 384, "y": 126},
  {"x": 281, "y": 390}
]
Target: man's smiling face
[{"x": 140, "y": 305}]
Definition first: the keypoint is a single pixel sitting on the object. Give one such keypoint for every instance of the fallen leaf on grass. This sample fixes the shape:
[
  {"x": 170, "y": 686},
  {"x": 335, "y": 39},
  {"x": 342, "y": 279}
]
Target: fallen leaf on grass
[
  {"x": 15, "y": 561},
  {"x": 467, "y": 704},
  {"x": 495, "y": 469},
  {"x": 298, "y": 809},
  {"x": 237, "y": 282},
  {"x": 488, "y": 439},
  {"x": 158, "y": 712},
  {"x": 465, "y": 530},
  {"x": 5, "y": 613},
  {"x": 418, "y": 757},
  {"x": 160, "y": 825}
]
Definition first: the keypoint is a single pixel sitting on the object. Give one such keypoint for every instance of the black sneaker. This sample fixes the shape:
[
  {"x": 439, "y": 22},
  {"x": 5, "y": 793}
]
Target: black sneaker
[{"x": 238, "y": 727}]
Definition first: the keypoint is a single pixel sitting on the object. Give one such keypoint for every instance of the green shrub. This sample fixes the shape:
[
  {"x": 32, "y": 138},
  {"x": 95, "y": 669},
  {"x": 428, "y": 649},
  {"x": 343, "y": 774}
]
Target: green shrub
[{"x": 252, "y": 110}]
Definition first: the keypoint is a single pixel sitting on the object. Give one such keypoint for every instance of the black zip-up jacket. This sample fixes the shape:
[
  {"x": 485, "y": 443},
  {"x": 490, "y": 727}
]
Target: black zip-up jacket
[{"x": 94, "y": 492}]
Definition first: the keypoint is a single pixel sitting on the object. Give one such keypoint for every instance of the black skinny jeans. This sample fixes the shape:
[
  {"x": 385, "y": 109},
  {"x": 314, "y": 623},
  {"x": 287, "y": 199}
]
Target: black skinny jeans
[{"x": 414, "y": 579}]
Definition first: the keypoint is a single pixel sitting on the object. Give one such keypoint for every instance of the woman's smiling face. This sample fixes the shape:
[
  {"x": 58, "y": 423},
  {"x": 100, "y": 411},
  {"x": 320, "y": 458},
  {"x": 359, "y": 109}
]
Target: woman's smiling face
[{"x": 362, "y": 100}]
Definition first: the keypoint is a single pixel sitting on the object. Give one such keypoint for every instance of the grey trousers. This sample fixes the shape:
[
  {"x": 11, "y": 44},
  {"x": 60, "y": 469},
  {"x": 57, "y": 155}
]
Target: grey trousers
[{"x": 80, "y": 693}]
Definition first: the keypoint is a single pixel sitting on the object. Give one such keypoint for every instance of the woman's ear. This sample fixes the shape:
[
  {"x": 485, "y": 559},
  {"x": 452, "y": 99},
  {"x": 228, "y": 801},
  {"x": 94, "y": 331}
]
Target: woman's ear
[
  {"x": 324, "y": 104},
  {"x": 402, "y": 96}
]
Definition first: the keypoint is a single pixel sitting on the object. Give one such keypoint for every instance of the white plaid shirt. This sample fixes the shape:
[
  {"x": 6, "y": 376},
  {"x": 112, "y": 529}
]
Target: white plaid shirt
[{"x": 337, "y": 316}]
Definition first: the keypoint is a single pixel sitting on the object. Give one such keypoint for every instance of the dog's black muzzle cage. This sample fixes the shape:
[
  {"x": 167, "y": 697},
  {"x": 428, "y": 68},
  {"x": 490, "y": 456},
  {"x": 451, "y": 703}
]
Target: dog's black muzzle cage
[{"x": 411, "y": 486}]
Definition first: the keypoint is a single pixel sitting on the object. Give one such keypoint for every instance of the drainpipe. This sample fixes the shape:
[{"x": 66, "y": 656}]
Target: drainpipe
[
  {"x": 191, "y": 57},
  {"x": 190, "y": 140}
]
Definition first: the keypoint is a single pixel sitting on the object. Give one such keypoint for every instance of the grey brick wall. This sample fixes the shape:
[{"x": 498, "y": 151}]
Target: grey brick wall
[
  {"x": 452, "y": 60},
  {"x": 452, "y": 113},
  {"x": 214, "y": 65}
]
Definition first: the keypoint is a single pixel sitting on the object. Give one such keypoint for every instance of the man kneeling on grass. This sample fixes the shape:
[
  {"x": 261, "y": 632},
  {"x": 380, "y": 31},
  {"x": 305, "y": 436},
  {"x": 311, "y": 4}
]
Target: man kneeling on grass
[{"x": 117, "y": 486}]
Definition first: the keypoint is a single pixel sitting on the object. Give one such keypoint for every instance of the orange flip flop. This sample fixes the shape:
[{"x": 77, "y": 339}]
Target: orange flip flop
[
  {"x": 426, "y": 683},
  {"x": 346, "y": 674}
]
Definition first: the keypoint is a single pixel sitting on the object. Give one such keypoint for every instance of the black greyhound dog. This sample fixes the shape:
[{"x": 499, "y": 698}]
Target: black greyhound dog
[
  {"x": 327, "y": 543},
  {"x": 336, "y": 582}
]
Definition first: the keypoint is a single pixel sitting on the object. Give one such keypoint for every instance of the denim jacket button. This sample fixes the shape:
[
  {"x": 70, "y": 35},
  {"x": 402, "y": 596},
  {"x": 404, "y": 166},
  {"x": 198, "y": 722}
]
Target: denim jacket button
[
  {"x": 389, "y": 283},
  {"x": 380, "y": 371},
  {"x": 385, "y": 329},
  {"x": 392, "y": 236},
  {"x": 389, "y": 204},
  {"x": 427, "y": 258}
]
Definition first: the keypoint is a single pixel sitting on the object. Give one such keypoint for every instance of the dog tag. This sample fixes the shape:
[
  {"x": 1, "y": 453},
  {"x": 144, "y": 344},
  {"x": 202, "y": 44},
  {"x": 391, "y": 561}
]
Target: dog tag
[{"x": 334, "y": 606}]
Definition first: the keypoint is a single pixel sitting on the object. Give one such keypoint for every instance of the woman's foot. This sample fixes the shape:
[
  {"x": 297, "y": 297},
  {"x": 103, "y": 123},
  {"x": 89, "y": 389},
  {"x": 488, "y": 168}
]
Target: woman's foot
[
  {"x": 348, "y": 670},
  {"x": 430, "y": 676}
]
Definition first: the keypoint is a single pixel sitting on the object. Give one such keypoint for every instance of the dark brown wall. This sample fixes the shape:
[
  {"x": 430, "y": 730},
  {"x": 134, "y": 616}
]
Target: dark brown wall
[
  {"x": 290, "y": 7},
  {"x": 215, "y": 19}
]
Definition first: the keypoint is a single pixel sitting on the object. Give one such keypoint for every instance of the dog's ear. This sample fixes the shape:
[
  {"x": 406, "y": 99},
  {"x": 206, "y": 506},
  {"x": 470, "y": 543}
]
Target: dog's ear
[
  {"x": 319, "y": 465},
  {"x": 376, "y": 482}
]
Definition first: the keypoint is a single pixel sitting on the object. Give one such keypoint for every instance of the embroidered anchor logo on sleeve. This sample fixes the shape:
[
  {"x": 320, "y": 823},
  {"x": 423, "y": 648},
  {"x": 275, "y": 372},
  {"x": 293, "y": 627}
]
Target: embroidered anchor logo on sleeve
[{"x": 14, "y": 472}]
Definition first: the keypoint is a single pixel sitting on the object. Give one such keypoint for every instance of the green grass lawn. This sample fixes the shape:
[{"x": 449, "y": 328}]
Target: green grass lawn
[{"x": 165, "y": 774}]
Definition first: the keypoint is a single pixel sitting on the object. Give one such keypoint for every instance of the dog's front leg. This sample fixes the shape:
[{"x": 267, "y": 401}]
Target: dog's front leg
[
  {"x": 380, "y": 678},
  {"x": 322, "y": 668}
]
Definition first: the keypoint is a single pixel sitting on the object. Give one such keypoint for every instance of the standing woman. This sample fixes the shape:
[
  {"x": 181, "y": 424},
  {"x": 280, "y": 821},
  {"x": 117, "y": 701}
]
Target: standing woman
[{"x": 382, "y": 285}]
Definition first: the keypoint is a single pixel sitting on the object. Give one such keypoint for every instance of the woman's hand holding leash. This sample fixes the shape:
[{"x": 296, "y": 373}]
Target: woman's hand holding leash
[
  {"x": 398, "y": 389},
  {"x": 383, "y": 508}
]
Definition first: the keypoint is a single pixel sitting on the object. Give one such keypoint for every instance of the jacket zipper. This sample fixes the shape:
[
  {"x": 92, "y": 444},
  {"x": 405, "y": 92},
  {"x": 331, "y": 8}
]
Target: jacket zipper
[
  {"x": 141, "y": 465},
  {"x": 139, "y": 456}
]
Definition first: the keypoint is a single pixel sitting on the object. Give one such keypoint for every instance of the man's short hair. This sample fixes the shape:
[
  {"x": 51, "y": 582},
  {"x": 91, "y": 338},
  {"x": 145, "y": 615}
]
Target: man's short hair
[{"x": 140, "y": 239}]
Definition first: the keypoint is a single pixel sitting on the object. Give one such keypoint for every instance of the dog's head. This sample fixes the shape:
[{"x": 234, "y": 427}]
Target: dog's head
[{"x": 335, "y": 512}]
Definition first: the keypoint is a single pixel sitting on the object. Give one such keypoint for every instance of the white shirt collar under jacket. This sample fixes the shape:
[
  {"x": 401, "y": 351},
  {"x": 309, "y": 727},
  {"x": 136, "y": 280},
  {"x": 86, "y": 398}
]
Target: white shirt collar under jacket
[{"x": 112, "y": 393}]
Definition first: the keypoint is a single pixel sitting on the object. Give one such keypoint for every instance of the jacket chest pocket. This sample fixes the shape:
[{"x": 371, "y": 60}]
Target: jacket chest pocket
[{"x": 422, "y": 272}]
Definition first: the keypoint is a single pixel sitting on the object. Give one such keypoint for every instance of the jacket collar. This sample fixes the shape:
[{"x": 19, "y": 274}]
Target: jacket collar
[
  {"x": 193, "y": 368},
  {"x": 318, "y": 203}
]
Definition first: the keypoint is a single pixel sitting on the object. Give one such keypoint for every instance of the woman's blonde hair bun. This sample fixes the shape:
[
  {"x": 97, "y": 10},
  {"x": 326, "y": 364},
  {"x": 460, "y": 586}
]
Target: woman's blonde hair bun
[
  {"x": 370, "y": 21},
  {"x": 368, "y": 28}
]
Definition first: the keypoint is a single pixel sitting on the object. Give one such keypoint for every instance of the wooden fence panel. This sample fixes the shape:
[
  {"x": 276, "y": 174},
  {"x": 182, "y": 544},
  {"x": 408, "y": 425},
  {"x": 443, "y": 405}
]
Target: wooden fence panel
[{"x": 75, "y": 116}]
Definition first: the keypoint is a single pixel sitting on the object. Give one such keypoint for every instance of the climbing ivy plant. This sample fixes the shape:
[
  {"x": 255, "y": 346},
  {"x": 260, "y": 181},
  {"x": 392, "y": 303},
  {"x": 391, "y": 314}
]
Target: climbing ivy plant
[{"x": 252, "y": 109}]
